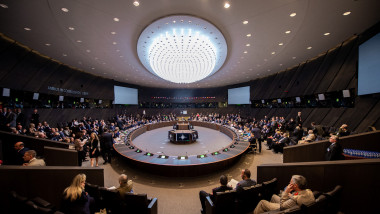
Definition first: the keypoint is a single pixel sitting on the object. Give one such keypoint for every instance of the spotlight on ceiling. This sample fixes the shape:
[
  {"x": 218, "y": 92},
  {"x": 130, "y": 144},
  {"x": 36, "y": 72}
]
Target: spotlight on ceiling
[{"x": 182, "y": 49}]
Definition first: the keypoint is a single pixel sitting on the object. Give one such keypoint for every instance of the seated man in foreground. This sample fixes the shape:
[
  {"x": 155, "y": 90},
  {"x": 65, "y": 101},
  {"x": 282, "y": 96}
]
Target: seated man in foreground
[
  {"x": 222, "y": 188},
  {"x": 31, "y": 160},
  {"x": 294, "y": 194}
]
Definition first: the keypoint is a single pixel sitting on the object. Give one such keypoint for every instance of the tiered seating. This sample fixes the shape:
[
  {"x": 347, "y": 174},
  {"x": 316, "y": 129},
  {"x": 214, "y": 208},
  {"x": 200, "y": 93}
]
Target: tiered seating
[
  {"x": 36, "y": 205},
  {"x": 324, "y": 203},
  {"x": 114, "y": 203},
  {"x": 240, "y": 202}
]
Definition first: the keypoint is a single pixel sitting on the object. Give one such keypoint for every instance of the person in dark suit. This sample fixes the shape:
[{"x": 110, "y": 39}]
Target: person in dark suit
[
  {"x": 222, "y": 188},
  {"x": 246, "y": 182},
  {"x": 299, "y": 119},
  {"x": 20, "y": 149},
  {"x": 35, "y": 118},
  {"x": 257, "y": 135},
  {"x": 335, "y": 150},
  {"x": 106, "y": 146}
]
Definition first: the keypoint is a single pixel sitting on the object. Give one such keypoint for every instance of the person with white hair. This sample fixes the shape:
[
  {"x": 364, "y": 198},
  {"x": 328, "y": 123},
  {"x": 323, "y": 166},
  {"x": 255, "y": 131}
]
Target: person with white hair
[
  {"x": 294, "y": 194},
  {"x": 309, "y": 138},
  {"x": 31, "y": 160}
]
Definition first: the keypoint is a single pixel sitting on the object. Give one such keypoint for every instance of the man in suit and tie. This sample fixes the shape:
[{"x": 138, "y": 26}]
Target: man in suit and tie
[
  {"x": 335, "y": 150},
  {"x": 20, "y": 150},
  {"x": 106, "y": 146}
]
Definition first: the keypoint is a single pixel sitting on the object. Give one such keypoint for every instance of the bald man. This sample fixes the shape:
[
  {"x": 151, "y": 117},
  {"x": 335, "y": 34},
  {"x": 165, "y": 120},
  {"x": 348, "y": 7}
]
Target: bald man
[{"x": 20, "y": 151}]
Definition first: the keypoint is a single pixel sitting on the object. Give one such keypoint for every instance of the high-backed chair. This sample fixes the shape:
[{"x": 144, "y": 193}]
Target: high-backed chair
[
  {"x": 269, "y": 188},
  {"x": 333, "y": 199},
  {"x": 110, "y": 199},
  {"x": 248, "y": 199},
  {"x": 224, "y": 202},
  {"x": 138, "y": 204},
  {"x": 317, "y": 207}
]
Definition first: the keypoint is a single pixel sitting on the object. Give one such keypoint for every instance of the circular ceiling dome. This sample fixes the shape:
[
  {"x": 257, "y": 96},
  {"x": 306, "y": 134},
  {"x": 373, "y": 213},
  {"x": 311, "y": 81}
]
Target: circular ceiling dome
[{"x": 182, "y": 49}]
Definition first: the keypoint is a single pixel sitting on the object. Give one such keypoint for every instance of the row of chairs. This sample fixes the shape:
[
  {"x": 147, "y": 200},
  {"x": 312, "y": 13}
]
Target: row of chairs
[
  {"x": 21, "y": 204},
  {"x": 241, "y": 202},
  {"x": 114, "y": 203},
  {"x": 325, "y": 203}
]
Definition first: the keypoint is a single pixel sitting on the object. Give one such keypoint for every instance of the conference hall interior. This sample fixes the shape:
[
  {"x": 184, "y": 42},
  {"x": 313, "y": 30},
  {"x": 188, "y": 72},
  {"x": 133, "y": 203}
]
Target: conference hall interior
[{"x": 185, "y": 107}]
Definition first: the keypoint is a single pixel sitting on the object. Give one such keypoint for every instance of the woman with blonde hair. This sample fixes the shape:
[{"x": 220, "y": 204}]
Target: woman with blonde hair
[
  {"x": 75, "y": 199},
  {"x": 94, "y": 148}
]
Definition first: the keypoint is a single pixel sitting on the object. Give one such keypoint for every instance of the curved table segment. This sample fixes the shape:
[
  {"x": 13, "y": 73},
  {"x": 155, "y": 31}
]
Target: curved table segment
[{"x": 181, "y": 166}]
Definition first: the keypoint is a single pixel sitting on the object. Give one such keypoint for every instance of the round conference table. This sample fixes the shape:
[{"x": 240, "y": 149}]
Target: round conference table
[{"x": 181, "y": 166}]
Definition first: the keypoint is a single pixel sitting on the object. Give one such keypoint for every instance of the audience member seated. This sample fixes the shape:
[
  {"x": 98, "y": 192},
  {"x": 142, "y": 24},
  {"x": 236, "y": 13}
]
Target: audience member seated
[
  {"x": 75, "y": 199},
  {"x": 125, "y": 185},
  {"x": 20, "y": 149},
  {"x": 31, "y": 160},
  {"x": 317, "y": 129},
  {"x": 279, "y": 145},
  {"x": 335, "y": 150},
  {"x": 309, "y": 138},
  {"x": 294, "y": 194},
  {"x": 222, "y": 188},
  {"x": 246, "y": 182}
]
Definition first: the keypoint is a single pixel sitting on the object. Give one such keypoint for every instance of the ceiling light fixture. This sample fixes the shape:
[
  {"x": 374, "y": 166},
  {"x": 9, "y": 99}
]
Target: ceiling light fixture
[
  {"x": 113, "y": 33},
  {"x": 245, "y": 22},
  {"x": 116, "y": 19},
  {"x": 346, "y": 13},
  {"x": 273, "y": 53},
  {"x": 71, "y": 28},
  {"x": 4, "y": 6},
  {"x": 65, "y": 9},
  {"x": 287, "y": 32},
  {"x": 182, "y": 52},
  {"x": 293, "y": 14},
  {"x": 79, "y": 41},
  {"x": 245, "y": 52},
  {"x": 27, "y": 29},
  {"x": 227, "y": 5},
  {"x": 248, "y": 45},
  {"x": 326, "y": 34},
  {"x": 280, "y": 44},
  {"x": 47, "y": 44},
  {"x": 309, "y": 47},
  {"x": 136, "y": 3}
]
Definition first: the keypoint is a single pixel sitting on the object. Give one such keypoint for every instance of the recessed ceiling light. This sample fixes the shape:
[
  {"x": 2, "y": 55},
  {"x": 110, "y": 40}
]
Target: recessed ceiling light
[
  {"x": 245, "y": 22},
  {"x": 326, "y": 34},
  {"x": 27, "y": 29},
  {"x": 116, "y": 19},
  {"x": 114, "y": 43},
  {"x": 273, "y": 52},
  {"x": 293, "y": 14},
  {"x": 136, "y": 3},
  {"x": 346, "y": 13},
  {"x": 88, "y": 51},
  {"x": 93, "y": 68},
  {"x": 309, "y": 47},
  {"x": 248, "y": 45},
  {"x": 245, "y": 52},
  {"x": 65, "y": 9},
  {"x": 79, "y": 41},
  {"x": 287, "y": 32},
  {"x": 64, "y": 54},
  {"x": 250, "y": 69},
  {"x": 121, "y": 56},
  {"x": 117, "y": 50},
  {"x": 227, "y": 5},
  {"x": 71, "y": 28},
  {"x": 281, "y": 44},
  {"x": 3, "y": 6},
  {"x": 47, "y": 44},
  {"x": 294, "y": 57},
  {"x": 280, "y": 64},
  {"x": 249, "y": 35},
  {"x": 113, "y": 33}
]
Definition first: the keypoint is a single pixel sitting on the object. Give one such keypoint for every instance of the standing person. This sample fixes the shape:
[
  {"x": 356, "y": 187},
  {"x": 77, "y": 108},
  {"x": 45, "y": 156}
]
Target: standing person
[
  {"x": 257, "y": 135},
  {"x": 106, "y": 146},
  {"x": 222, "y": 188},
  {"x": 294, "y": 194},
  {"x": 299, "y": 120},
  {"x": 75, "y": 199},
  {"x": 81, "y": 153},
  {"x": 20, "y": 149},
  {"x": 335, "y": 150},
  {"x": 35, "y": 118},
  {"x": 94, "y": 150}
]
